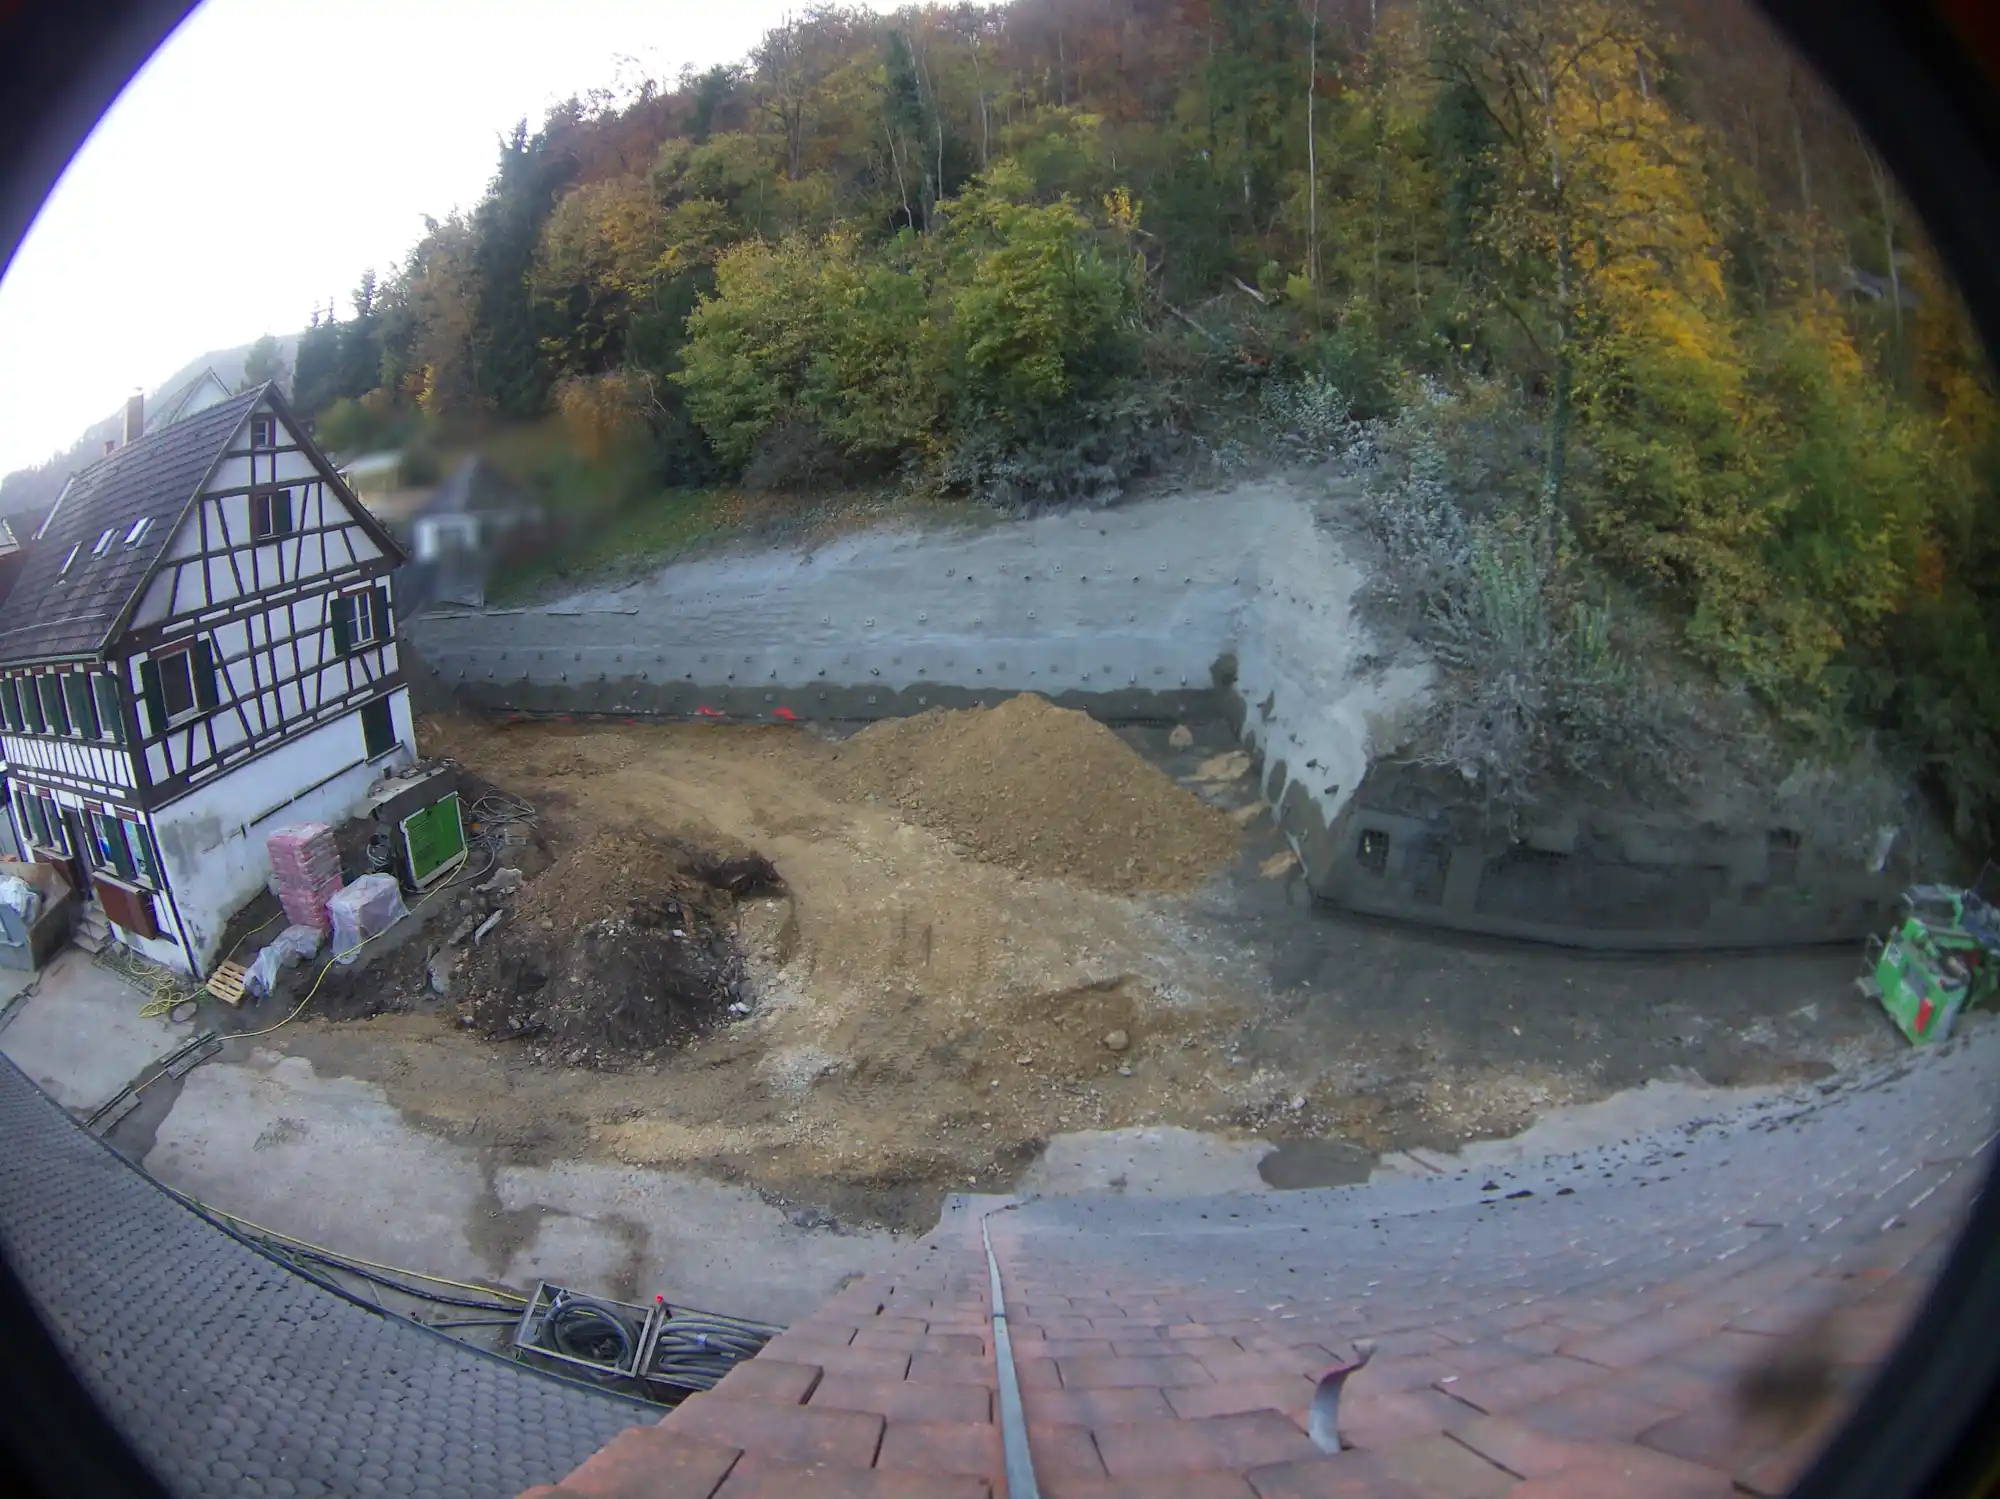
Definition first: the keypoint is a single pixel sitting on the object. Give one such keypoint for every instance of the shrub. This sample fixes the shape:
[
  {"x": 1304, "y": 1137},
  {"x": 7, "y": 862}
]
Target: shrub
[{"x": 1535, "y": 692}]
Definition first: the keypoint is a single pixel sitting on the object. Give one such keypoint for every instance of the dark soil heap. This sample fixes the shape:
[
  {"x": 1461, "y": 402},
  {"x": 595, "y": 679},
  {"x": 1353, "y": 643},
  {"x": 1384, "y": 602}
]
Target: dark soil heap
[
  {"x": 1047, "y": 790},
  {"x": 625, "y": 947}
]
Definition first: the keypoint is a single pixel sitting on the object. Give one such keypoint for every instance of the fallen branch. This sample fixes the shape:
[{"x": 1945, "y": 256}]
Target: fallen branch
[
  {"x": 1212, "y": 338},
  {"x": 1247, "y": 289}
]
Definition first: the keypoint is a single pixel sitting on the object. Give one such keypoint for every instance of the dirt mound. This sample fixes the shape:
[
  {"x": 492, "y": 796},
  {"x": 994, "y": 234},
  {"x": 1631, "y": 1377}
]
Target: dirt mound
[
  {"x": 1046, "y": 790},
  {"x": 625, "y": 947}
]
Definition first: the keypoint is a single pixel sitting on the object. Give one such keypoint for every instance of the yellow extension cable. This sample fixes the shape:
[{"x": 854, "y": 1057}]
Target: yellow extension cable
[{"x": 437, "y": 1280}]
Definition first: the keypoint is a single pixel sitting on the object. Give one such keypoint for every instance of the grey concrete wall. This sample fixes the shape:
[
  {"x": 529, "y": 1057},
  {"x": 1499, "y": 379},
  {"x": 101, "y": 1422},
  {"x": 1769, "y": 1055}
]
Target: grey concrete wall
[
  {"x": 1596, "y": 876},
  {"x": 1237, "y": 605}
]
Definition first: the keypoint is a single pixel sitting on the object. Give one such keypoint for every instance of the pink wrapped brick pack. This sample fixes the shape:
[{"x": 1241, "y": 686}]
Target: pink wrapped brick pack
[{"x": 305, "y": 871}]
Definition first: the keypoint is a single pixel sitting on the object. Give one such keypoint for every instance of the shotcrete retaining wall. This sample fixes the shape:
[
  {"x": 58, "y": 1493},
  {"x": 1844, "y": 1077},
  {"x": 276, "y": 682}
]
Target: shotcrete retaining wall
[{"x": 1235, "y": 606}]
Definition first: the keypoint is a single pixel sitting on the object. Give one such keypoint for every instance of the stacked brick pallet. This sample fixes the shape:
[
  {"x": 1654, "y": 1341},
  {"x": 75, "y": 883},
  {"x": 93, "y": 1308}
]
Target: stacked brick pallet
[
  {"x": 305, "y": 872},
  {"x": 1582, "y": 1331}
]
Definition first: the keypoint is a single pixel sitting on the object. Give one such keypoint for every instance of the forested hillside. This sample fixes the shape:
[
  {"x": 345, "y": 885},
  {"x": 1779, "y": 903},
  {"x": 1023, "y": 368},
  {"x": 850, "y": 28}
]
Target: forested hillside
[
  {"x": 1634, "y": 315},
  {"x": 26, "y": 494}
]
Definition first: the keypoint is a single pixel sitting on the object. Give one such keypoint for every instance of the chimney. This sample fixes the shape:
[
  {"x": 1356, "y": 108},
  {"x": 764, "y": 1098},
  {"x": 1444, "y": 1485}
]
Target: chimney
[
  {"x": 135, "y": 416},
  {"x": 110, "y": 445}
]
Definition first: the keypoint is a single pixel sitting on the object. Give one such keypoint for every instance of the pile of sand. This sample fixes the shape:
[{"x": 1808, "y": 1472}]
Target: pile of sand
[{"x": 1043, "y": 789}]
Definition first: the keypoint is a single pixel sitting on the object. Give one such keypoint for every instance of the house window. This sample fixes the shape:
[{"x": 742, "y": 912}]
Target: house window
[
  {"x": 49, "y": 685},
  {"x": 104, "y": 543},
  {"x": 139, "y": 528},
  {"x": 359, "y": 619},
  {"x": 68, "y": 558},
  {"x": 179, "y": 683},
  {"x": 119, "y": 845},
  {"x": 263, "y": 432},
  {"x": 110, "y": 714},
  {"x": 44, "y": 821},
  {"x": 77, "y": 699},
  {"x": 34, "y": 819},
  {"x": 176, "y": 684},
  {"x": 378, "y": 727},
  {"x": 270, "y": 514}
]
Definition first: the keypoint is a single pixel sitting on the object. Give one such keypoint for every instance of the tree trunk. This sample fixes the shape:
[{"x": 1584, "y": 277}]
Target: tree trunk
[
  {"x": 1312, "y": 151},
  {"x": 1805, "y": 181},
  {"x": 979, "y": 87},
  {"x": 902, "y": 187}
]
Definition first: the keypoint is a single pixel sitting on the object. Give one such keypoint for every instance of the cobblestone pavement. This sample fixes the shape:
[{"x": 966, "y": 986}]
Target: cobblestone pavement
[
  {"x": 1672, "y": 1318},
  {"x": 232, "y": 1375}
]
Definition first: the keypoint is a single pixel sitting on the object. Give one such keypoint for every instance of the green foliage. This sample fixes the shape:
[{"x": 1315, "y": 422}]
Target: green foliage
[
  {"x": 1012, "y": 313},
  {"x": 349, "y": 427},
  {"x": 1019, "y": 251},
  {"x": 261, "y": 363}
]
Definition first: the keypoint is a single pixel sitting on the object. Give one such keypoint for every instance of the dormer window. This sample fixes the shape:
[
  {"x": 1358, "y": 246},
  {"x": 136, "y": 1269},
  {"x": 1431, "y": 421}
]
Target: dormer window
[
  {"x": 104, "y": 542},
  {"x": 263, "y": 431}
]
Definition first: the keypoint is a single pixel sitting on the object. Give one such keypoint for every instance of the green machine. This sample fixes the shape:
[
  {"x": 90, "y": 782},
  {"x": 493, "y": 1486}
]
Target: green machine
[
  {"x": 1943, "y": 956},
  {"x": 420, "y": 829}
]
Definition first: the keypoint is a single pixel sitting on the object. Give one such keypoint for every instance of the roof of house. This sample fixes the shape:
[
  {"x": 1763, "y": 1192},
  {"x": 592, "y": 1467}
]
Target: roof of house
[
  {"x": 53, "y": 615},
  {"x": 199, "y": 394}
]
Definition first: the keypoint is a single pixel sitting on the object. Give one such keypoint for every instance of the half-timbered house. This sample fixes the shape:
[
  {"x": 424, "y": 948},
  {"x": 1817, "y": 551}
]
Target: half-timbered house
[{"x": 198, "y": 650}]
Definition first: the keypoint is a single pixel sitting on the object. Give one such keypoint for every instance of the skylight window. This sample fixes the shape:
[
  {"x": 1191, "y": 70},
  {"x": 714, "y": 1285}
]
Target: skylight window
[
  {"x": 139, "y": 528},
  {"x": 63, "y": 571},
  {"x": 104, "y": 542}
]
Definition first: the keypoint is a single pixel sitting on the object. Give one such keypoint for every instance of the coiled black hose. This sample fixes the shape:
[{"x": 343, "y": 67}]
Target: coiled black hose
[{"x": 586, "y": 1328}]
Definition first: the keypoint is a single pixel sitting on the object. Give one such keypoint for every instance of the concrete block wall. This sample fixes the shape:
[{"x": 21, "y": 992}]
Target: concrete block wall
[
  {"x": 1237, "y": 606},
  {"x": 1597, "y": 877}
]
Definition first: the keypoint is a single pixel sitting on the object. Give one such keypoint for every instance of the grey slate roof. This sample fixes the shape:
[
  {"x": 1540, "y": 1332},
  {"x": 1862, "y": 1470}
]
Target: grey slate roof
[{"x": 51, "y": 616}]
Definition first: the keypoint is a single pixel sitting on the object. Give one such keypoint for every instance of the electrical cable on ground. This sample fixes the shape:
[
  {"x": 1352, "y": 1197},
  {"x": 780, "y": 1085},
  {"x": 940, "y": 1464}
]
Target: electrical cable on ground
[{"x": 321, "y": 1251}]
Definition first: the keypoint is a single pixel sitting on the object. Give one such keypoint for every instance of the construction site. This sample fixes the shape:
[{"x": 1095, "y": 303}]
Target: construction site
[{"x": 748, "y": 978}]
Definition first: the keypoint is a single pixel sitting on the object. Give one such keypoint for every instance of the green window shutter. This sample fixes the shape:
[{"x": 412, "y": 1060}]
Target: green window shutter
[
  {"x": 31, "y": 706},
  {"x": 52, "y": 702},
  {"x": 111, "y": 837},
  {"x": 10, "y": 704},
  {"x": 206, "y": 689},
  {"x": 281, "y": 512},
  {"x": 38, "y": 827},
  {"x": 82, "y": 711},
  {"x": 343, "y": 632},
  {"x": 110, "y": 715},
  {"x": 141, "y": 851},
  {"x": 382, "y": 628},
  {"x": 156, "y": 702}
]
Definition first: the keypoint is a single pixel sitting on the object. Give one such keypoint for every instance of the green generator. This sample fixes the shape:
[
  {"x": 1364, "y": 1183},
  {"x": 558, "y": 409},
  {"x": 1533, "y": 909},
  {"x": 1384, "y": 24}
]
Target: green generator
[
  {"x": 1942, "y": 957},
  {"x": 419, "y": 827}
]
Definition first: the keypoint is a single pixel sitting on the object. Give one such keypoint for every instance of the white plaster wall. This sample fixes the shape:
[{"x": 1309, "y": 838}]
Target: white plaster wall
[{"x": 211, "y": 841}]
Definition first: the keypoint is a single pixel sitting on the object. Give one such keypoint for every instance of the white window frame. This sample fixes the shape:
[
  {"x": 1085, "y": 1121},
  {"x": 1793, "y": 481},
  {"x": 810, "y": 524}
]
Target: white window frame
[
  {"x": 139, "y": 528},
  {"x": 263, "y": 430},
  {"x": 185, "y": 655},
  {"x": 360, "y": 606},
  {"x": 266, "y": 500}
]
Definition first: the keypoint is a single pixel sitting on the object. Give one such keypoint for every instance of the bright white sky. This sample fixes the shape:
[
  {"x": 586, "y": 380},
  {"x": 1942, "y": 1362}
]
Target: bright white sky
[{"x": 271, "y": 150}]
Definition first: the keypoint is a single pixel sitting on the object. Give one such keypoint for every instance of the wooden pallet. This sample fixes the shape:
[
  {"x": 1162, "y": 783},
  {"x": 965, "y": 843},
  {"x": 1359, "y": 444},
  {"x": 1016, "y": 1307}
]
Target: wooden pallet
[{"x": 226, "y": 983}]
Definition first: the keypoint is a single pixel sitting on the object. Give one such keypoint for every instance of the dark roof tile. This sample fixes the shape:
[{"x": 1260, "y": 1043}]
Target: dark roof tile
[{"x": 50, "y": 615}]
